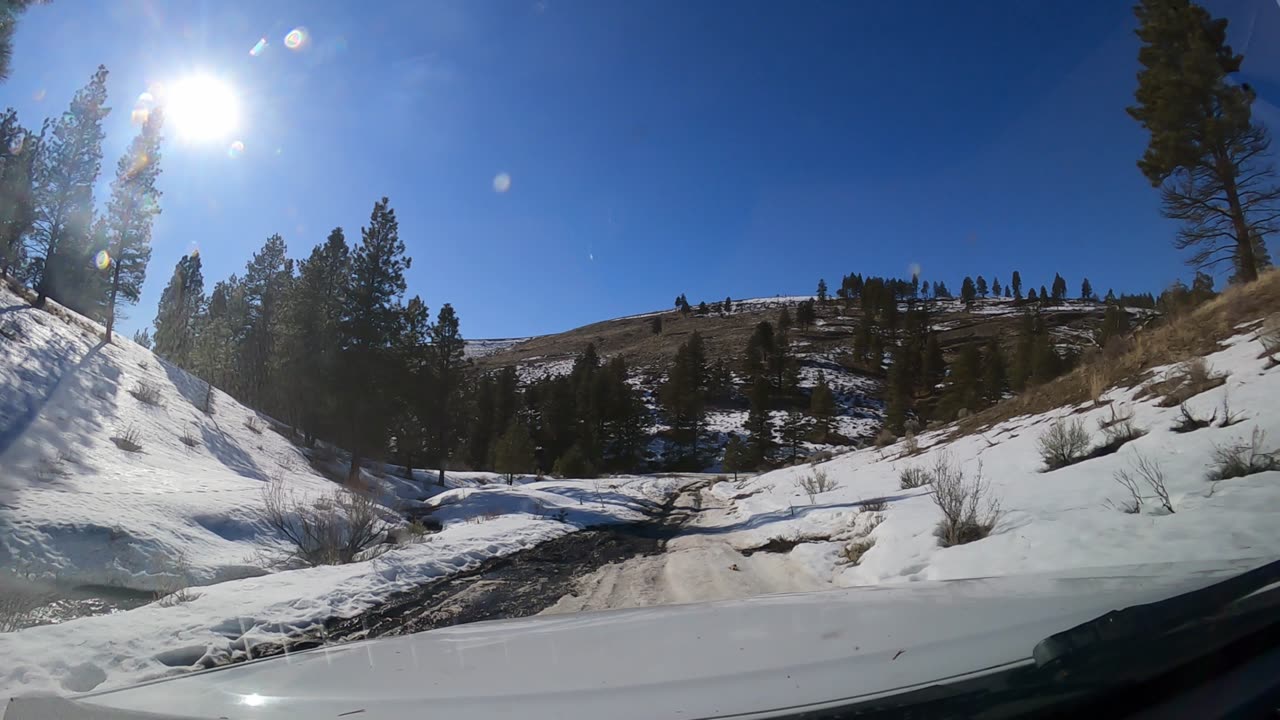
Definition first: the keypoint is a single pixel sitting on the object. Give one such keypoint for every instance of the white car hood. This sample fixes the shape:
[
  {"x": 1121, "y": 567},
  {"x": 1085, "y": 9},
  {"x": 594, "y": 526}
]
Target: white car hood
[{"x": 753, "y": 658}]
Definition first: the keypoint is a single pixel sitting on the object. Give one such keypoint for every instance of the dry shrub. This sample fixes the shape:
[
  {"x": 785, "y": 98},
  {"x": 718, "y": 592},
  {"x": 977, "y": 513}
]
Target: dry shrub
[
  {"x": 877, "y": 505},
  {"x": 1245, "y": 458},
  {"x": 1269, "y": 336},
  {"x": 335, "y": 529},
  {"x": 147, "y": 393},
  {"x": 885, "y": 438},
  {"x": 969, "y": 510},
  {"x": 1196, "y": 333},
  {"x": 1193, "y": 377},
  {"x": 1065, "y": 442},
  {"x": 189, "y": 439},
  {"x": 815, "y": 484},
  {"x": 912, "y": 477},
  {"x": 1188, "y": 422},
  {"x": 1116, "y": 431},
  {"x": 1229, "y": 417},
  {"x": 128, "y": 439},
  {"x": 1151, "y": 474}
]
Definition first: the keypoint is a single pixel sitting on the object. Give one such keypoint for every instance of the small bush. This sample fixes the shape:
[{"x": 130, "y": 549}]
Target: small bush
[
  {"x": 815, "y": 484},
  {"x": 1194, "y": 377},
  {"x": 336, "y": 529},
  {"x": 876, "y": 505},
  {"x": 1115, "y": 435},
  {"x": 1150, "y": 472},
  {"x": 128, "y": 439},
  {"x": 969, "y": 510},
  {"x": 885, "y": 438},
  {"x": 189, "y": 439},
  {"x": 1188, "y": 422},
  {"x": 1241, "y": 459},
  {"x": 1118, "y": 415},
  {"x": 252, "y": 424},
  {"x": 1229, "y": 417},
  {"x": 1063, "y": 444},
  {"x": 912, "y": 477},
  {"x": 146, "y": 393}
]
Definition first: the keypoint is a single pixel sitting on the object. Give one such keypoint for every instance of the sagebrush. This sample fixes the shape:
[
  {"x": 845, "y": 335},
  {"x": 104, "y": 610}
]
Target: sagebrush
[
  {"x": 815, "y": 484},
  {"x": 1064, "y": 443},
  {"x": 1244, "y": 458},
  {"x": 970, "y": 510},
  {"x": 335, "y": 529}
]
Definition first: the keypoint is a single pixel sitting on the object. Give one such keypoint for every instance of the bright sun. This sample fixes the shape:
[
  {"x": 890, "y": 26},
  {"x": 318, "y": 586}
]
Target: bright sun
[{"x": 202, "y": 107}]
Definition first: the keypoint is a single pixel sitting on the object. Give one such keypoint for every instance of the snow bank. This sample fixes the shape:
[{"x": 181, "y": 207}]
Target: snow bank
[{"x": 1056, "y": 520}]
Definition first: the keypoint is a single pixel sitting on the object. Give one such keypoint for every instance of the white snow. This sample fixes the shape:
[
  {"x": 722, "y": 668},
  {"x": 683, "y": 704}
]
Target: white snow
[
  {"x": 76, "y": 509},
  {"x": 1053, "y": 521},
  {"x": 485, "y": 347}
]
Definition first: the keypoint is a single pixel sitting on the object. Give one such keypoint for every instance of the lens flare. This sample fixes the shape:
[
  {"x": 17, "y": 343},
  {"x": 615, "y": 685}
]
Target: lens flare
[
  {"x": 296, "y": 39},
  {"x": 102, "y": 260},
  {"x": 236, "y": 150},
  {"x": 501, "y": 182},
  {"x": 259, "y": 47}
]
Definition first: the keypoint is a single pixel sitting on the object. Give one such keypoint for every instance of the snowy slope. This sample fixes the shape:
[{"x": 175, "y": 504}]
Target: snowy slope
[{"x": 764, "y": 534}]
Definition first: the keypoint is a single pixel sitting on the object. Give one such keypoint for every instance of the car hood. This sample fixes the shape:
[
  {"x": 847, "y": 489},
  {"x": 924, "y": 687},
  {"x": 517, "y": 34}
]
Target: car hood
[{"x": 757, "y": 657}]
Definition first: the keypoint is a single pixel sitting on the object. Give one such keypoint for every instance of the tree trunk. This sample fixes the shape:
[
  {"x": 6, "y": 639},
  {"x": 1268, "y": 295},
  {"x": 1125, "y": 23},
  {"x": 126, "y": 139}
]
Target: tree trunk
[
  {"x": 408, "y": 465},
  {"x": 208, "y": 395},
  {"x": 440, "y": 480},
  {"x": 353, "y": 474},
  {"x": 1246, "y": 263},
  {"x": 111, "y": 298}
]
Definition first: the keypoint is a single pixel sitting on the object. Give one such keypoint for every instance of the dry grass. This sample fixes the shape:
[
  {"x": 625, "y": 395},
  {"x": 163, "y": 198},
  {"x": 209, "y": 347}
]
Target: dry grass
[
  {"x": 815, "y": 484},
  {"x": 1244, "y": 458},
  {"x": 128, "y": 439},
  {"x": 147, "y": 393},
  {"x": 1192, "y": 334},
  {"x": 1193, "y": 377},
  {"x": 188, "y": 438}
]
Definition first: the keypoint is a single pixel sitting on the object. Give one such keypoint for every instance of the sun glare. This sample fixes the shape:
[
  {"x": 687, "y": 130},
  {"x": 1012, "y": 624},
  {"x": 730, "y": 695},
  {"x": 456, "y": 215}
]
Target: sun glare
[{"x": 202, "y": 108}]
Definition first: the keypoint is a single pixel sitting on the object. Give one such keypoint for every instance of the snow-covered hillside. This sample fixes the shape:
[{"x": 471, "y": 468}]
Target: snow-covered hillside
[
  {"x": 81, "y": 514},
  {"x": 766, "y": 533}
]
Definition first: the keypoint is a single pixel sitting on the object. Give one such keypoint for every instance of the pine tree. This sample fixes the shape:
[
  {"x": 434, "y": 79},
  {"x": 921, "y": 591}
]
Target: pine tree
[
  {"x": 759, "y": 426},
  {"x": 513, "y": 453},
  {"x": 702, "y": 307},
  {"x": 409, "y": 371},
  {"x": 134, "y": 204},
  {"x": 784, "y": 321},
  {"x": 9, "y": 13},
  {"x": 964, "y": 383},
  {"x": 19, "y": 149},
  {"x": 1031, "y": 295},
  {"x": 212, "y": 355},
  {"x": 1111, "y": 297},
  {"x": 1205, "y": 153},
  {"x": 1059, "y": 288},
  {"x": 822, "y": 291},
  {"x": 898, "y": 390},
  {"x": 940, "y": 291},
  {"x": 968, "y": 291},
  {"x": 795, "y": 426},
  {"x": 994, "y": 381},
  {"x": 924, "y": 289},
  {"x": 933, "y": 367},
  {"x": 1086, "y": 290},
  {"x": 180, "y": 304},
  {"x": 806, "y": 314},
  {"x": 447, "y": 363},
  {"x": 267, "y": 281},
  {"x": 758, "y": 358},
  {"x": 314, "y": 338},
  {"x": 142, "y": 337},
  {"x": 995, "y": 287},
  {"x": 737, "y": 456},
  {"x": 1115, "y": 323},
  {"x": 70, "y": 154},
  {"x": 1044, "y": 295},
  {"x": 822, "y": 406},
  {"x": 683, "y": 398},
  {"x": 982, "y": 286},
  {"x": 1007, "y": 292},
  {"x": 370, "y": 321},
  {"x": 1016, "y": 282},
  {"x": 728, "y": 305}
]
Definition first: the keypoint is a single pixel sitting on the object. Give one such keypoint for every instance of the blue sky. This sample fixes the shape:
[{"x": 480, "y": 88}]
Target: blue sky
[{"x": 657, "y": 147}]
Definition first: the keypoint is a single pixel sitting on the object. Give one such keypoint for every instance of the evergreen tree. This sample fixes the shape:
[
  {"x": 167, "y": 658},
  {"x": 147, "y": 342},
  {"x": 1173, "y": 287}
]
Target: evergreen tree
[
  {"x": 513, "y": 453},
  {"x": 702, "y": 307},
  {"x": 964, "y": 383},
  {"x": 995, "y": 287},
  {"x": 370, "y": 322},
  {"x": 982, "y": 286},
  {"x": 994, "y": 381},
  {"x": 1086, "y": 290},
  {"x": 313, "y": 338},
  {"x": 19, "y": 149},
  {"x": 142, "y": 337},
  {"x": 1202, "y": 288},
  {"x": 898, "y": 389},
  {"x": 1059, "y": 288},
  {"x": 409, "y": 371},
  {"x": 267, "y": 281},
  {"x": 784, "y": 321},
  {"x": 180, "y": 304},
  {"x": 759, "y": 426},
  {"x": 822, "y": 291},
  {"x": 1016, "y": 282},
  {"x": 933, "y": 368},
  {"x": 1031, "y": 295},
  {"x": 1205, "y": 153},
  {"x": 968, "y": 291},
  {"x": 822, "y": 406},
  {"x": 1007, "y": 292},
  {"x": 1115, "y": 323},
  {"x": 134, "y": 204},
  {"x": 1044, "y": 295},
  {"x": 1111, "y": 297},
  {"x": 213, "y": 352},
  {"x": 924, "y": 289},
  {"x": 806, "y": 314},
  {"x": 737, "y": 456},
  {"x": 66, "y": 168},
  {"x": 728, "y": 305},
  {"x": 795, "y": 426},
  {"x": 760, "y": 353},
  {"x": 940, "y": 291},
  {"x": 683, "y": 398},
  {"x": 446, "y": 365},
  {"x": 9, "y": 12}
]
